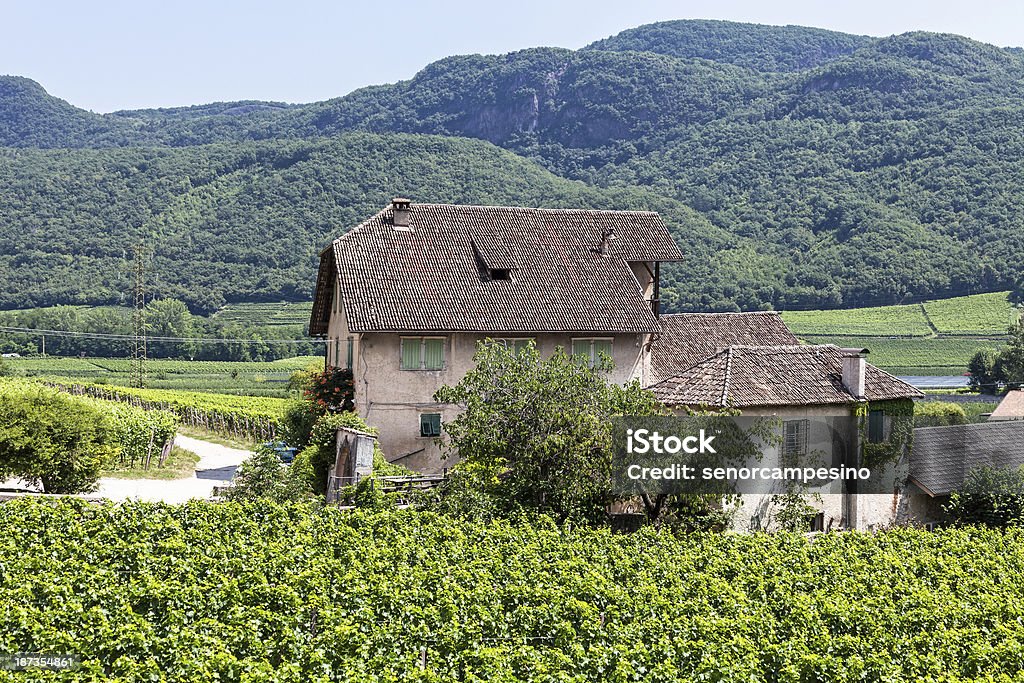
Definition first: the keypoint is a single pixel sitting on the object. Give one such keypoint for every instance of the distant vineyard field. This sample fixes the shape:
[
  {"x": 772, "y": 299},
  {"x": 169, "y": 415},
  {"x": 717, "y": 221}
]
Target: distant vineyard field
[
  {"x": 224, "y": 377},
  {"x": 978, "y": 314},
  {"x": 934, "y": 338},
  {"x": 908, "y": 321},
  {"x": 262, "y": 314},
  {"x": 916, "y": 356}
]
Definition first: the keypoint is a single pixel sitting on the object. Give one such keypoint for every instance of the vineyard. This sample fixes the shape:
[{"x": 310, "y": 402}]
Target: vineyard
[
  {"x": 260, "y": 592},
  {"x": 268, "y": 378},
  {"x": 934, "y": 338},
  {"x": 260, "y": 315},
  {"x": 247, "y": 418}
]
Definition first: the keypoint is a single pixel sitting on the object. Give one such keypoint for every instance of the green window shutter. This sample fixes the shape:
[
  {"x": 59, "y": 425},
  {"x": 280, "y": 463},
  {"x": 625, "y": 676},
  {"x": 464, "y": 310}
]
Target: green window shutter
[
  {"x": 433, "y": 354},
  {"x": 876, "y": 426},
  {"x": 348, "y": 362},
  {"x": 430, "y": 424},
  {"x": 411, "y": 353},
  {"x": 602, "y": 346},
  {"x": 522, "y": 345},
  {"x": 581, "y": 351}
]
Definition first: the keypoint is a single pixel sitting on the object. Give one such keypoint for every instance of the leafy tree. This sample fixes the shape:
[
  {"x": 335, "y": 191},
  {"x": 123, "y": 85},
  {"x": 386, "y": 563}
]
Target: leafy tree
[
  {"x": 991, "y": 497},
  {"x": 58, "y": 441},
  {"x": 1010, "y": 364},
  {"x": 536, "y": 433},
  {"x": 986, "y": 370},
  {"x": 938, "y": 414}
]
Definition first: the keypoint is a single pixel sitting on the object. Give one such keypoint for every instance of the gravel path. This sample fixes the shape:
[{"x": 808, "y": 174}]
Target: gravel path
[{"x": 216, "y": 467}]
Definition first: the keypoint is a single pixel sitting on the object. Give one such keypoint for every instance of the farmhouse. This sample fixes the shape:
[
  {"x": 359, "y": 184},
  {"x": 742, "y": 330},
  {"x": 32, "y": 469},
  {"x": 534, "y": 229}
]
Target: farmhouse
[{"x": 404, "y": 298}]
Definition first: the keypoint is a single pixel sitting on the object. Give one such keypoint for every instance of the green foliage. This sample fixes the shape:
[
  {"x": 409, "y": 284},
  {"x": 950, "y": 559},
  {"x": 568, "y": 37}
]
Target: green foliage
[
  {"x": 978, "y": 314},
  {"x": 990, "y": 496},
  {"x": 249, "y": 418},
  {"x": 263, "y": 477},
  {"x": 540, "y": 427},
  {"x": 882, "y": 321},
  {"x": 791, "y": 510},
  {"x": 985, "y": 369},
  {"x": 290, "y": 594},
  {"x": 870, "y": 171},
  {"x": 142, "y": 434},
  {"x": 938, "y": 414},
  {"x": 332, "y": 390},
  {"x": 58, "y": 441},
  {"x": 754, "y": 46},
  {"x": 1009, "y": 365},
  {"x": 318, "y": 453}
]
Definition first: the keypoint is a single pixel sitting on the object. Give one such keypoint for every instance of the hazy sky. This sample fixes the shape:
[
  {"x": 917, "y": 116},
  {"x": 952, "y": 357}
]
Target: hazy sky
[{"x": 121, "y": 55}]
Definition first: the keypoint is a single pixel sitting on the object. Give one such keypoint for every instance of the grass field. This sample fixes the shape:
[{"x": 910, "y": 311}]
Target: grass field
[
  {"x": 934, "y": 338},
  {"x": 223, "y": 377}
]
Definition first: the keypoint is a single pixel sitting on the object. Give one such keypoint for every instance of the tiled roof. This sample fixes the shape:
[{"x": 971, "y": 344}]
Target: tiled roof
[
  {"x": 1011, "y": 407},
  {"x": 688, "y": 338},
  {"x": 770, "y": 376},
  {"x": 435, "y": 277},
  {"x": 943, "y": 456}
]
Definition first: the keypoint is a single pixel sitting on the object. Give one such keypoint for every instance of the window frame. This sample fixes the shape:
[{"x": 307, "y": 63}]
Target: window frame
[
  {"x": 428, "y": 419},
  {"x": 422, "y": 353},
  {"x": 802, "y": 426},
  {"x": 591, "y": 356},
  {"x": 510, "y": 342}
]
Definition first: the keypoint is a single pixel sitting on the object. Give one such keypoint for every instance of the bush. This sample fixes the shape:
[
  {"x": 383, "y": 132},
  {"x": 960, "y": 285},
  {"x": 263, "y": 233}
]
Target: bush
[
  {"x": 58, "y": 441},
  {"x": 990, "y": 496},
  {"x": 938, "y": 414},
  {"x": 314, "y": 462},
  {"x": 263, "y": 477}
]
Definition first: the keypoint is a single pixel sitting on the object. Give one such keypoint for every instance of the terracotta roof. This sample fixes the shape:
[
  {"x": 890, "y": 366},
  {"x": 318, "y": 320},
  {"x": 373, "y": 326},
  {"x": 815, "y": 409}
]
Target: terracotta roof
[
  {"x": 1011, "y": 407},
  {"x": 771, "y": 376},
  {"x": 437, "y": 276},
  {"x": 688, "y": 338},
  {"x": 943, "y": 456}
]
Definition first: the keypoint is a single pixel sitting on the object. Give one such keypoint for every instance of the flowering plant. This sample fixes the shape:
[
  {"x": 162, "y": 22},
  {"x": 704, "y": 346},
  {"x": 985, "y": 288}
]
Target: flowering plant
[{"x": 332, "y": 390}]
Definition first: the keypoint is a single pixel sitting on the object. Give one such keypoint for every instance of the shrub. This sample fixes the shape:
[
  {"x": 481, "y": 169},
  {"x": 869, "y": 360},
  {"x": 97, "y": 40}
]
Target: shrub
[
  {"x": 263, "y": 477},
  {"x": 938, "y": 414},
  {"x": 990, "y": 496},
  {"x": 58, "y": 441}
]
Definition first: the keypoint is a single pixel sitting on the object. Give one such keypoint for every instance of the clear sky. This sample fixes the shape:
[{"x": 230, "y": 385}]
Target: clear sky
[{"x": 105, "y": 55}]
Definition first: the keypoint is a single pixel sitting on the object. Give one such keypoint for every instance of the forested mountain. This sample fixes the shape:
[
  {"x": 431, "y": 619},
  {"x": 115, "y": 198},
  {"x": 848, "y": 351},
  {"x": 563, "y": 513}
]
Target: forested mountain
[{"x": 819, "y": 168}]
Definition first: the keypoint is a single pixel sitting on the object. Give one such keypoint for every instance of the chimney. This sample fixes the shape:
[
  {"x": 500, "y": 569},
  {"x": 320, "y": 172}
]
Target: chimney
[
  {"x": 853, "y": 370},
  {"x": 402, "y": 209},
  {"x": 606, "y": 236}
]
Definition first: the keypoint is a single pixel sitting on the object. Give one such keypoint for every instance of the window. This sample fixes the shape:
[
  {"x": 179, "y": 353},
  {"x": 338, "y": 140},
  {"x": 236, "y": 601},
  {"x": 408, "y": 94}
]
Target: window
[
  {"x": 794, "y": 439},
  {"x": 430, "y": 424},
  {"x": 500, "y": 274},
  {"x": 876, "y": 426},
  {"x": 515, "y": 344},
  {"x": 589, "y": 350},
  {"x": 422, "y": 353},
  {"x": 816, "y": 522}
]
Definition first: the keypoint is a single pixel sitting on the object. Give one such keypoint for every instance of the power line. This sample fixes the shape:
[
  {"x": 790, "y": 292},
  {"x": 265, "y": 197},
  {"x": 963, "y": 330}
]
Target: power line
[{"x": 129, "y": 337}]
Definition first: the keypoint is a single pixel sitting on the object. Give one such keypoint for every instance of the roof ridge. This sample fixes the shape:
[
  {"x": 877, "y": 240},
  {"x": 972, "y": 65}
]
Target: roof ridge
[{"x": 728, "y": 377}]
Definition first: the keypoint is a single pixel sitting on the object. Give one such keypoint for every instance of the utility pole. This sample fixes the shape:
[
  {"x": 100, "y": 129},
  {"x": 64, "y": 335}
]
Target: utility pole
[{"x": 138, "y": 373}]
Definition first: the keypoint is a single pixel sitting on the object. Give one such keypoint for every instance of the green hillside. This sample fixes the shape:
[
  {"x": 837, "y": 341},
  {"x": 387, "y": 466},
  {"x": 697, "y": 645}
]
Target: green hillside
[{"x": 824, "y": 170}]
